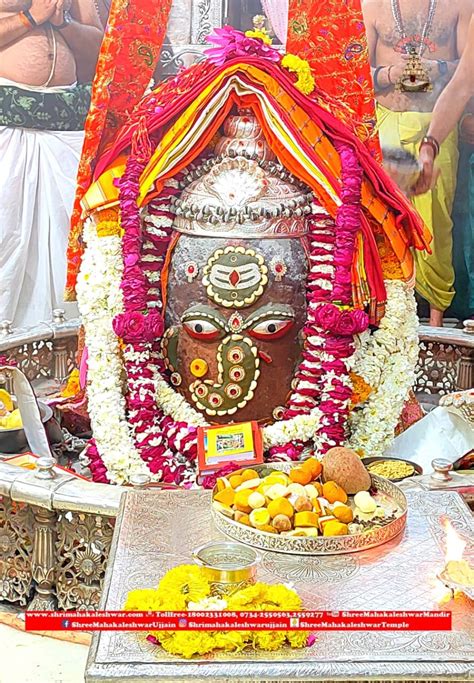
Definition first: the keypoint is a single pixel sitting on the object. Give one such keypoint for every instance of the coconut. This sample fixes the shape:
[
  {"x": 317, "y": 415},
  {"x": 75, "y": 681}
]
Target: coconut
[{"x": 344, "y": 466}]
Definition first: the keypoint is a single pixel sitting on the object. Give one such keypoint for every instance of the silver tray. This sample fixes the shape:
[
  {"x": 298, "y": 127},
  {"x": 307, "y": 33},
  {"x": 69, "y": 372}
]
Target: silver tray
[{"x": 320, "y": 545}]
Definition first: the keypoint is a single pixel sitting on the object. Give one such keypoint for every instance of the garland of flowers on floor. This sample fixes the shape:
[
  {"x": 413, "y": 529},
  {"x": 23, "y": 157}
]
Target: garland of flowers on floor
[{"x": 187, "y": 587}]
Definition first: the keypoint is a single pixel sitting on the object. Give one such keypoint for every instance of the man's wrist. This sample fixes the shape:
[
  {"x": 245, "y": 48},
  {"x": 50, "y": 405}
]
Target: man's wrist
[
  {"x": 67, "y": 21},
  {"x": 27, "y": 19}
]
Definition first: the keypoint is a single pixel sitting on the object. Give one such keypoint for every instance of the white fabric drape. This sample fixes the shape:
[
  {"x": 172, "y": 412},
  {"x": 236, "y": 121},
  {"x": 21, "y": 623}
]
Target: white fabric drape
[
  {"x": 276, "y": 12},
  {"x": 37, "y": 184}
]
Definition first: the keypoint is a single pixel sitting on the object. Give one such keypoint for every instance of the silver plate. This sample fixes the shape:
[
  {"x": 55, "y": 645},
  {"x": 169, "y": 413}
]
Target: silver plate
[{"x": 320, "y": 545}]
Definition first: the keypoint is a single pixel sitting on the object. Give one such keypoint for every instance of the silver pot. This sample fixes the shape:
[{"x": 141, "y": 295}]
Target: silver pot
[{"x": 14, "y": 440}]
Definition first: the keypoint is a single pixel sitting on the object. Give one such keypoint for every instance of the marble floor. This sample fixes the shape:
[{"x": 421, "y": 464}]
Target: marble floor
[{"x": 28, "y": 658}]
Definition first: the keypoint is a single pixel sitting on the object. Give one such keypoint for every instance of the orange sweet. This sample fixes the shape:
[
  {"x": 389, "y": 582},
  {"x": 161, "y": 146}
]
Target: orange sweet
[
  {"x": 241, "y": 500},
  {"x": 300, "y": 475},
  {"x": 268, "y": 528},
  {"x": 225, "y": 496},
  {"x": 314, "y": 466},
  {"x": 343, "y": 513},
  {"x": 334, "y": 493},
  {"x": 235, "y": 480},
  {"x": 280, "y": 506},
  {"x": 249, "y": 474},
  {"x": 318, "y": 487}
]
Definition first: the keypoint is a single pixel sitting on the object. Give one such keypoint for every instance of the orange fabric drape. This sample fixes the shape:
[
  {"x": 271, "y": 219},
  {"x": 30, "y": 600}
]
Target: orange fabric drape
[
  {"x": 330, "y": 35},
  {"x": 128, "y": 56}
]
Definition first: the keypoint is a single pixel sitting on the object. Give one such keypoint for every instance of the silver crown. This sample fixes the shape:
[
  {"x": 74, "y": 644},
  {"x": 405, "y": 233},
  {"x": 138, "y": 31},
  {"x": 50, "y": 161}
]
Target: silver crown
[{"x": 241, "y": 192}]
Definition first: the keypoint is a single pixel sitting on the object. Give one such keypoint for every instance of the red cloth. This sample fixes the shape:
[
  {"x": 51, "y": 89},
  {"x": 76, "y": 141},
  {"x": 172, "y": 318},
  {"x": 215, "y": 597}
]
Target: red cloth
[
  {"x": 128, "y": 56},
  {"x": 330, "y": 35}
]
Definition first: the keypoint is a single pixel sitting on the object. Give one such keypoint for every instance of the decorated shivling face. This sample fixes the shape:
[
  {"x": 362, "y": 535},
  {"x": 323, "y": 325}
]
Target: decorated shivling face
[{"x": 234, "y": 317}]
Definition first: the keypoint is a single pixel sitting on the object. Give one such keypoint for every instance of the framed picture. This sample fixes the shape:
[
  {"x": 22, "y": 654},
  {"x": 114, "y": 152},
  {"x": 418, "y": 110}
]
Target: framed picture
[{"x": 240, "y": 443}]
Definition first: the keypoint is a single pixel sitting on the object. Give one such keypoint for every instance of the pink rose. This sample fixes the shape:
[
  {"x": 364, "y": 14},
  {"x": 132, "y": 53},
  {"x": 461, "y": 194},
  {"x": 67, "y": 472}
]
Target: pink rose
[
  {"x": 134, "y": 327},
  {"x": 352, "y": 322},
  {"x": 129, "y": 326},
  {"x": 326, "y": 316}
]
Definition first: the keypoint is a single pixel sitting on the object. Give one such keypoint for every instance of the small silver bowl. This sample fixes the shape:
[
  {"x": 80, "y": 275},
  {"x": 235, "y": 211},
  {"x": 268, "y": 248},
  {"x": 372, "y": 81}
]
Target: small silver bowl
[{"x": 228, "y": 566}]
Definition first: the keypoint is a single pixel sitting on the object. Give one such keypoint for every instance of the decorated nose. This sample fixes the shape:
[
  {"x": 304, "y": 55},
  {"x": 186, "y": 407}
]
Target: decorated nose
[{"x": 238, "y": 372}]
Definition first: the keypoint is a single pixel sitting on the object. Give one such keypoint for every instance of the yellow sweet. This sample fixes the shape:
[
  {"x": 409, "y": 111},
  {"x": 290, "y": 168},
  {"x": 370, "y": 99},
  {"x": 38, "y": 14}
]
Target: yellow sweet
[
  {"x": 222, "y": 483},
  {"x": 241, "y": 500},
  {"x": 280, "y": 506},
  {"x": 306, "y": 519},
  {"x": 259, "y": 517},
  {"x": 277, "y": 478},
  {"x": 235, "y": 480},
  {"x": 334, "y": 493},
  {"x": 249, "y": 474},
  {"x": 226, "y": 496},
  {"x": 256, "y": 500},
  {"x": 12, "y": 420},
  {"x": 335, "y": 528}
]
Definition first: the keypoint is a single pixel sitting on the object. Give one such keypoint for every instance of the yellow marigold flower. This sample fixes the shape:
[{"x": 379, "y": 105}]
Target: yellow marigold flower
[
  {"x": 142, "y": 600},
  {"x": 297, "y": 638},
  {"x": 108, "y": 228},
  {"x": 305, "y": 82},
  {"x": 189, "y": 643},
  {"x": 72, "y": 385},
  {"x": 186, "y": 580},
  {"x": 284, "y": 597},
  {"x": 261, "y": 34},
  {"x": 269, "y": 640}
]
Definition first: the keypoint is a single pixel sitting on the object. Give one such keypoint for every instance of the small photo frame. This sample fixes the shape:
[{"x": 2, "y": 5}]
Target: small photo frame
[{"x": 240, "y": 443}]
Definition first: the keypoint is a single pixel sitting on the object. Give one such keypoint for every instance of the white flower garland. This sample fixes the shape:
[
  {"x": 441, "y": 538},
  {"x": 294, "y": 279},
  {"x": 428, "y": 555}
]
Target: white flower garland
[
  {"x": 299, "y": 428},
  {"x": 100, "y": 299},
  {"x": 386, "y": 360}
]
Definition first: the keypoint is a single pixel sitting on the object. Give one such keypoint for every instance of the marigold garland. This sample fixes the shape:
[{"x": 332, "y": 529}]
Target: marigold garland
[
  {"x": 305, "y": 82},
  {"x": 186, "y": 588}
]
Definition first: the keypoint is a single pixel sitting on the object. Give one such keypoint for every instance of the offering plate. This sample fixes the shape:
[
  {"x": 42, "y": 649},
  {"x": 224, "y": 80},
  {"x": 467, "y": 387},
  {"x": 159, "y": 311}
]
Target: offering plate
[{"x": 387, "y": 491}]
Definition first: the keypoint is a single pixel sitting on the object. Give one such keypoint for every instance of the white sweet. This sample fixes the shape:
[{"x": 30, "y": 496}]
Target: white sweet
[{"x": 364, "y": 502}]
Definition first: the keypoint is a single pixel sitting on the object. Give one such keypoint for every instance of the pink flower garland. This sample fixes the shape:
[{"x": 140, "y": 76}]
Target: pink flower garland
[{"x": 337, "y": 325}]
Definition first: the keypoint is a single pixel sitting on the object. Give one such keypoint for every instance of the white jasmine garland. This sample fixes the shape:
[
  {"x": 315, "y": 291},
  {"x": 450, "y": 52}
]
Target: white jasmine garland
[
  {"x": 299, "y": 428},
  {"x": 386, "y": 360},
  {"x": 100, "y": 299}
]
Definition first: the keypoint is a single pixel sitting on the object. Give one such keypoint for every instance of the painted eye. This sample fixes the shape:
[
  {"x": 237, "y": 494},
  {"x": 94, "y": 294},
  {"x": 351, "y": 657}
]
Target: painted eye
[
  {"x": 271, "y": 329},
  {"x": 202, "y": 329}
]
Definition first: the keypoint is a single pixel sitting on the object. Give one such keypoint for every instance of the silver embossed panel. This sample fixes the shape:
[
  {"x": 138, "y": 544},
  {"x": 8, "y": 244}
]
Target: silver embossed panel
[{"x": 157, "y": 530}]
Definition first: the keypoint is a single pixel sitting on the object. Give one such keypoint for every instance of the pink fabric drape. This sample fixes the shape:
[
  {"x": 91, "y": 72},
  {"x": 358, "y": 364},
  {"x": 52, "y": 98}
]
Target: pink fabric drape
[{"x": 277, "y": 13}]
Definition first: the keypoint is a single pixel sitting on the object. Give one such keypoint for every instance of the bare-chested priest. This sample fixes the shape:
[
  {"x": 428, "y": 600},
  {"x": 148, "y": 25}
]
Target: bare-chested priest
[
  {"x": 48, "y": 53},
  {"x": 414, "y": 49}
]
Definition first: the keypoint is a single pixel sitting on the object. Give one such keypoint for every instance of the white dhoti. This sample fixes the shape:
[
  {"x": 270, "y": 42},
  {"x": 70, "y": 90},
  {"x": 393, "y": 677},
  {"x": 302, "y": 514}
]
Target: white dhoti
[{"x": 37, "y": 185}]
